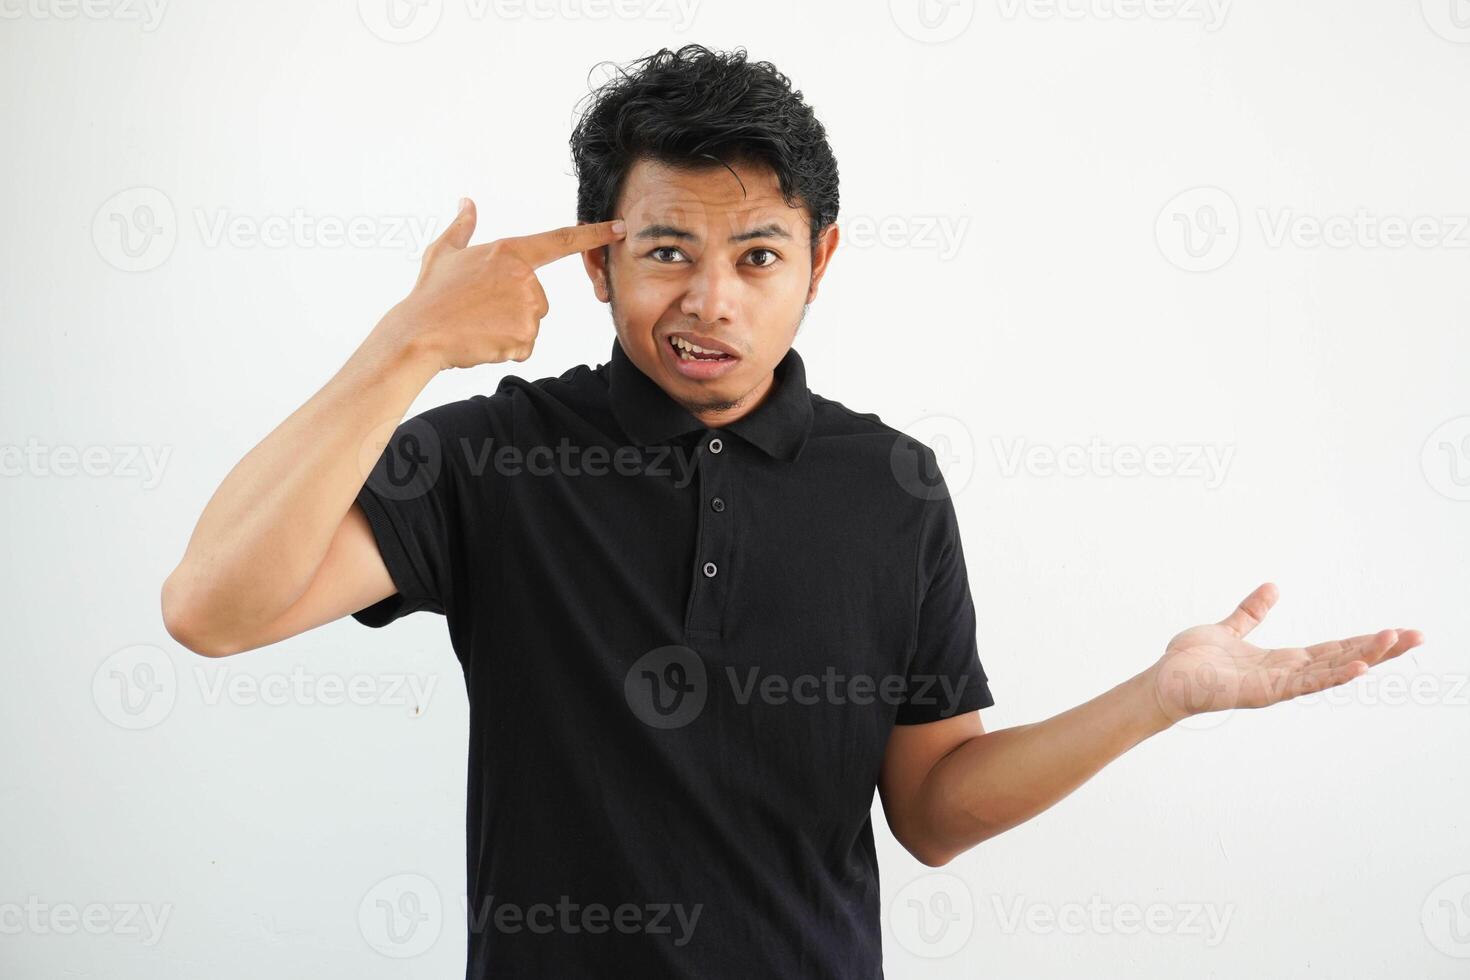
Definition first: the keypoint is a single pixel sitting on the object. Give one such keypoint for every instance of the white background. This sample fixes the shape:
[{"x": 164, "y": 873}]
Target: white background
[{"x": 1033, "y": 285}]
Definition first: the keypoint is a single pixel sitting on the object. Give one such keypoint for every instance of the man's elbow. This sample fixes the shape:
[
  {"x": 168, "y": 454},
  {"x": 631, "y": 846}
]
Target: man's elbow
[
  {"x": 187, "y": 621},
  {"x": 931, "y": 856},
  {"x": 927, "y": 851}
]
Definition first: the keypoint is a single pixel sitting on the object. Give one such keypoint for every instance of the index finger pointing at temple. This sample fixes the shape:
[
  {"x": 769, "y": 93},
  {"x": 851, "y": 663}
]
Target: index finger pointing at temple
[{"x": 548, "y": 246}]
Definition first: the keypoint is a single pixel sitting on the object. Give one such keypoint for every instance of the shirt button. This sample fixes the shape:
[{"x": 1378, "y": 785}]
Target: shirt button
[
  {"x": 717, "y": 504},
  {"x": 715, "y": 445},
  {"x": 710, "y": 569}
]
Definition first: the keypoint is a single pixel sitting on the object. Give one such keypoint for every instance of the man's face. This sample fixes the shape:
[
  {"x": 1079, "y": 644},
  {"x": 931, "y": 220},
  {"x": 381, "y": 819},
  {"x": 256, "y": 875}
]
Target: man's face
[{"x": 709, "y": 264}]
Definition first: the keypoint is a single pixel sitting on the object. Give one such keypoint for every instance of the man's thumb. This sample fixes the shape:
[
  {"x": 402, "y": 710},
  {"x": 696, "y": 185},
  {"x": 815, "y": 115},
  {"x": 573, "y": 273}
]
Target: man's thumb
[{"x": 462, "y": 227}]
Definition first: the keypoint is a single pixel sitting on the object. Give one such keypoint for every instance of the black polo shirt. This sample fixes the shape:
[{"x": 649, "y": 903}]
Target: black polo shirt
[{"x": 684, "y": 648}]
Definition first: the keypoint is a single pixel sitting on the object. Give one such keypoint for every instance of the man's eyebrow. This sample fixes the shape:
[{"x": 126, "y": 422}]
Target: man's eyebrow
[{"x": 770, "y": 229}]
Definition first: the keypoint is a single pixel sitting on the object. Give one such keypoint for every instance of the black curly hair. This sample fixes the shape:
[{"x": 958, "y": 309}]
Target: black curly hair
[{"x": 698, "y": 108}]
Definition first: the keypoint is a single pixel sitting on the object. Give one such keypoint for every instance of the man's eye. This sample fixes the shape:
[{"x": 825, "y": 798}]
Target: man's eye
[{"x": 670, "y": 255}]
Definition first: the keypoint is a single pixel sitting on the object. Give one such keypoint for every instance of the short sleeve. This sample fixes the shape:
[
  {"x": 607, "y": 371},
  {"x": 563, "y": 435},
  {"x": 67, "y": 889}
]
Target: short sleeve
[
  {"x": 423, "y": 505},
  {"x": 945, "y": 677}
]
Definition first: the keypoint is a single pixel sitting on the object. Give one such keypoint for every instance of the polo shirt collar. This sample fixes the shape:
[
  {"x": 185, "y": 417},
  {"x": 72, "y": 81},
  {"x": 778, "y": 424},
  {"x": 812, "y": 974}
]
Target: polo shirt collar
[{"x": 778, "y": 427}]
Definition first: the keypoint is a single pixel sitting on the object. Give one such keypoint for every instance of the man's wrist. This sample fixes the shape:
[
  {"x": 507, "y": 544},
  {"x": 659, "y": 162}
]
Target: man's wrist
[
  {"x": 1153, "y": 717},
  {"x": 396, "y": 347}
]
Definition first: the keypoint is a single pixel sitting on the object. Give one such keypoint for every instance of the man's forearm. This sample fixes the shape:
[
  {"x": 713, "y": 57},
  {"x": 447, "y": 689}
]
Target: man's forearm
[{"x": 994, "y": 781}]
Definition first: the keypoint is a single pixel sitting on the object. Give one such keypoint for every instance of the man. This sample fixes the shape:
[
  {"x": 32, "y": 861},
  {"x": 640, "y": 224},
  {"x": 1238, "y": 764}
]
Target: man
[{"x": 702, "y": 612}]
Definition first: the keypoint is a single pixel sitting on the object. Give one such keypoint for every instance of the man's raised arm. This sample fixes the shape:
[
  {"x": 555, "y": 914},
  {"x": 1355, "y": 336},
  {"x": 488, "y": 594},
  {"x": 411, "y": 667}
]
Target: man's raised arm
[{"x": 282, "y": 546}]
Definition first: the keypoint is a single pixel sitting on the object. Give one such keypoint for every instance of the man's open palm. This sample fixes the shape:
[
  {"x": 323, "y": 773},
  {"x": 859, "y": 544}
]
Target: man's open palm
[{"x": 1213, "y": 668}]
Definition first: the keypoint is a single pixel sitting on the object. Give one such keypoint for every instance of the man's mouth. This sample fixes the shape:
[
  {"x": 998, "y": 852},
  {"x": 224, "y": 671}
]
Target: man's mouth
[
  {"x": 700, "y": 358},
  {"x": 687, "y": 350}
]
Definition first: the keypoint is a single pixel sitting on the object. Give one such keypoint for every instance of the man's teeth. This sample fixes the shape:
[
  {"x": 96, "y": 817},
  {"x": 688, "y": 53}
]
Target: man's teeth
[{"x": 687, "y": 350}]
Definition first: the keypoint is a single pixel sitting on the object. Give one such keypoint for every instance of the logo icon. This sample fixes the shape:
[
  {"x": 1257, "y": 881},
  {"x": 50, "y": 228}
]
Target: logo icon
[
  {"x": 400, "y": 21},
  {"x": 948, "y": 466},
  {"x": 402, "y": 462},
  {"x": 932, "y": 21},
  {"x": 1446, "y": 916},
  {"x": 1450, "y": 19},
  {"x": 1199, "y": 230},
  {"x": 933, "y": 915},
  {"x": 401, "y": 916},
  {"x": 135, "y": 230},
  {"x": 667, "y": 687},
  {"x": 1445, "y": 458},
  {"x": 135, "y": 687}
]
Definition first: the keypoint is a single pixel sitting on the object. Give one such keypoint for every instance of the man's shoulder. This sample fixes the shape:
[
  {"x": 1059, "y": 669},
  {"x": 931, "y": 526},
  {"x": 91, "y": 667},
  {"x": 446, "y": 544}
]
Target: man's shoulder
[
  {"x": 833, "y": 419},
  {"x": 580, "y": 388},
  {"x": 869, "y": 448},
  {"x": 833, "y": 415},
  {"x": 577, "y": 383}
]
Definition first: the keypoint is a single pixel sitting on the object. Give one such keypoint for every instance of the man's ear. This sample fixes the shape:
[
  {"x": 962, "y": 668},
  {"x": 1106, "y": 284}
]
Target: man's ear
[
  {"x": 826, "y": 245},
  {"x": 594, "y": 260}
]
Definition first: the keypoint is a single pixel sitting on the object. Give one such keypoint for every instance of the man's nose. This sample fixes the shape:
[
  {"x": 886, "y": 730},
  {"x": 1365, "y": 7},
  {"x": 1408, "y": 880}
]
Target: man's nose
[{"x": 712, "y": 293}]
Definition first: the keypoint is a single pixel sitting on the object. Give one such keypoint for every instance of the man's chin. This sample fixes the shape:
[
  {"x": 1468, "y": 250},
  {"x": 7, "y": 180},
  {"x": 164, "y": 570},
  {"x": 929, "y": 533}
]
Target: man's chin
[
  {"x": 702, "y": 396},
  {"x": 698, "y": 396}
]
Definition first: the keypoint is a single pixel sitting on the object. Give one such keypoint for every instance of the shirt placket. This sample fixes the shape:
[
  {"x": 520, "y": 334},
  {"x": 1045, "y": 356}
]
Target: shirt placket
[{"x": 714, "y": 462}]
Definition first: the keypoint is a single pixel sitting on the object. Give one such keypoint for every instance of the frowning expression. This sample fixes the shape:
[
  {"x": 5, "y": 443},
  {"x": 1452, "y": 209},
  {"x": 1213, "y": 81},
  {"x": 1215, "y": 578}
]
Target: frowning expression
[{"x": 710, "y": 283}]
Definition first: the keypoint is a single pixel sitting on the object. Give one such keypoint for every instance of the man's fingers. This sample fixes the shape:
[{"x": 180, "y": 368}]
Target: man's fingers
[
  {"x": 1252, "y": 609},
  {"x": 548, "y": 246},
  {"x": 1320, "y": 678},
  {"x": 1408, "y": 639},
  {"x": 457, "y": 235},
  {"x": 1371, "y": 648},
  {"x": 543, "y": 307}
]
